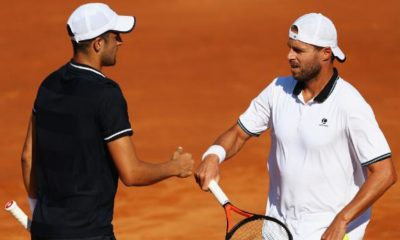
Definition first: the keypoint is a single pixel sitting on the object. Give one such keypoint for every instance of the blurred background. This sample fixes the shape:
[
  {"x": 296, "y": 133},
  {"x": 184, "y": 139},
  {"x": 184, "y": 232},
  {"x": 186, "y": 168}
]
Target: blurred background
[{"x": 188, "y": 70}]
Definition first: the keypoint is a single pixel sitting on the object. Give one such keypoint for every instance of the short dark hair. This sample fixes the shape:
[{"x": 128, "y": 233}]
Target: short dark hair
[{"x": 83, "y": 46}]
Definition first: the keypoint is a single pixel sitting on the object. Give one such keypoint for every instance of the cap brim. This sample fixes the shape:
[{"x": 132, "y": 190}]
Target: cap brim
[
  {"x": 337, "y": 52},
  {"x": 124, "y": 24}
]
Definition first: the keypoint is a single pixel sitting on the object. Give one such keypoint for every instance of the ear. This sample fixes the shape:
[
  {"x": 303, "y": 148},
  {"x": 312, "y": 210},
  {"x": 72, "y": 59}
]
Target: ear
[
  {"x": 326, "y": 54},
  {"x": 98, "y": 44}
]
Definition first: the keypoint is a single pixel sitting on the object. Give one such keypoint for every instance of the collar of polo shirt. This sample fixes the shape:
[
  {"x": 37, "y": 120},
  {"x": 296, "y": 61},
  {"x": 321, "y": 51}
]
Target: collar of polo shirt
[{"x": 326, "y": 91}]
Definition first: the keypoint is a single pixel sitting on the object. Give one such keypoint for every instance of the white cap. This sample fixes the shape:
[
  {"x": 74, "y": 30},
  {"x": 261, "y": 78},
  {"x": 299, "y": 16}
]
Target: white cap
[
  {"x": 317, "y": 30},
  {"x": 93, "y": 19}
]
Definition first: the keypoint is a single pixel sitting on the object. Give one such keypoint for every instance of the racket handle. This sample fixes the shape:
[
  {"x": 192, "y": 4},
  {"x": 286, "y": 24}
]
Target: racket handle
[
  {"x": 218, "y": 193},
  {"x": 17, "y": 212}
]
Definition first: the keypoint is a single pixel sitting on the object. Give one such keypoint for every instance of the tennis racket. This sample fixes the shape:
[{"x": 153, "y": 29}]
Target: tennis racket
[
  {"x": 252, "y": 226},
  {"x": 18, "y": 214}
]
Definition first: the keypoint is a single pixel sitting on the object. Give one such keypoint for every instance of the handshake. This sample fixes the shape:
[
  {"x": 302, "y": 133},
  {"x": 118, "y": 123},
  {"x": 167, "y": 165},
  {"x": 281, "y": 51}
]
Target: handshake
[{"x": 183, "y": 163}]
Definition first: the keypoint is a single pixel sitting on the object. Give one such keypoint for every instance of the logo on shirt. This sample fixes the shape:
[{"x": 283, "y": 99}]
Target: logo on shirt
[{"x": 324, "y": 122}]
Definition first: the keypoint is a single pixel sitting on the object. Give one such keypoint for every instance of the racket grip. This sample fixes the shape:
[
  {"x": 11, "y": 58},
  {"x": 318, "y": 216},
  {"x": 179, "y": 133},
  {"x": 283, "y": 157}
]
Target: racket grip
[
  {"x": 17, "y": 212},
  {"x": 218, "y": 193}
]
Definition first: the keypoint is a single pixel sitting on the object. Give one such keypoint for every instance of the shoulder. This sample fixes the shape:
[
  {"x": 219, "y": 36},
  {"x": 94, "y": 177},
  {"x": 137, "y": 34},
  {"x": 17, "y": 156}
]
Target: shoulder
[
  {"x": 53, "y": 76},
  {"x": 97, "y": 85},
  {"x": 109, "y": 86},
  {"x": 348, "y": 95},
  {"x": 285, "y": 81},
  {"x": 109, "y": 83},
  {"x": 286, "y": 84},
  {"x": 282, "y": 84},
  {"x": 351, "y": 103},
  {"x": 109, "y": 92},
  {"x": 279, "y": 87}
]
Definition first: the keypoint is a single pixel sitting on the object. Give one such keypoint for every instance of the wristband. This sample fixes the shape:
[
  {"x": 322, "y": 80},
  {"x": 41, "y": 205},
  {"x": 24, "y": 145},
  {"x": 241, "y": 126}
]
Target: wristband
[
  {"x": 32, "y": 203},
  {"x": 217, "y": 150}
]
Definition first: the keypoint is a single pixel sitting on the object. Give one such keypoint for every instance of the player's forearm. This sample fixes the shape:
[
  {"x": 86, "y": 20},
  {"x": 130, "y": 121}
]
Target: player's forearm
[
  {"x": 27, "y": 160},
  {"x": 146, "y": 173},
  {"x": 232, "y": 145},
  {"x": 232, "y": 141},
  {"x": 134, "y": 172},
  {"x": 377, "y": 183},
  {"x": 26, "y": 165},
  {"x": 26, "y": 171}
]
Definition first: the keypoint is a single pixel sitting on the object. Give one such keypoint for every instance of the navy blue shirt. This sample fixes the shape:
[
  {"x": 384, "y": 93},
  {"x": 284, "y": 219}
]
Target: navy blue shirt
[{"x": 77, "y": 111}]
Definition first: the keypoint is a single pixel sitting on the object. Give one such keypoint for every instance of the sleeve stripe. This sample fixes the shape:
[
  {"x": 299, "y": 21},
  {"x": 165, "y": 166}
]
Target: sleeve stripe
[
  {"x": 380, "y": 158},
  {"x": 245, "y": 129},
  {"x": 118, "y": 133}
]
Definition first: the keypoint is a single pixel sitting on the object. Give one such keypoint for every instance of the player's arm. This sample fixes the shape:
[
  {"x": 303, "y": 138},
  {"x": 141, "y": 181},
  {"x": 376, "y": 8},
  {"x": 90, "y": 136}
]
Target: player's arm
[
  {"x": 381, "y": 175},
  {"x": 231, "y": 141},
  {"x": 27, "y": 160},
  {"x": 135, "y": 172}
]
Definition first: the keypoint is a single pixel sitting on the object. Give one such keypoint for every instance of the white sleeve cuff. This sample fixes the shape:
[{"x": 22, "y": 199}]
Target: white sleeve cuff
[{"x": 217, "y": 150}]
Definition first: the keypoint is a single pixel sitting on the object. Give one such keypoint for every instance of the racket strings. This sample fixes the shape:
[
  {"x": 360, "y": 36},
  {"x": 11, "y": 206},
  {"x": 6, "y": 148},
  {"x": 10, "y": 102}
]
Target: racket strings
[{"x": 259, "y": 229}]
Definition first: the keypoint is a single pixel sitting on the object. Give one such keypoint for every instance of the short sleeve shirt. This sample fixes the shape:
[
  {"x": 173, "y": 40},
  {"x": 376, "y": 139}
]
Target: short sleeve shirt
[
  {"x": 318, "y": 148},
  {"x": 77, "y": 112},
  {"x": 114, "y": 115}
]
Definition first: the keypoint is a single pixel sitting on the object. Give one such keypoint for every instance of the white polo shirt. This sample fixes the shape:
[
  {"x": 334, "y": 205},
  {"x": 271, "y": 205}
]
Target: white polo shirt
[{"x": 317, "y": 152}]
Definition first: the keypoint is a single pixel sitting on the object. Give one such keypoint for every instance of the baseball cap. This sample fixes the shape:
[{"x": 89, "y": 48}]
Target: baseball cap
[
  {"x": 317, "y": 30},
  {"x": 93, "y": 19}
]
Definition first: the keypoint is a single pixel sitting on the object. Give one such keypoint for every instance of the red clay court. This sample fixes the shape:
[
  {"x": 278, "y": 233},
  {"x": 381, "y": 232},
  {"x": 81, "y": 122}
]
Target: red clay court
[{"x": 187, "y": 71}]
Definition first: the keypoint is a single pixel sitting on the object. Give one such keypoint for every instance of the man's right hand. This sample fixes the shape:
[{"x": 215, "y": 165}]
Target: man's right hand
[
  {"x": 232, "y": 141},
  {"x": 183, "y": 162},
  {"x": 207, "y": 170}
]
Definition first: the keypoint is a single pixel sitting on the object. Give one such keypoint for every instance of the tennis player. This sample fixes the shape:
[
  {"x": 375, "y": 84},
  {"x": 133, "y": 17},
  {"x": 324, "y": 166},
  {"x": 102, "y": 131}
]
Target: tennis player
[
  {"x": 79, "y": 139},
  {"x": 329, "y": 160}
]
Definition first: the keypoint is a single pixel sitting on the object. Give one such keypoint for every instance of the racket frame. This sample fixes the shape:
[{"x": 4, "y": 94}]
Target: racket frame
[{"x": 229, "y": 207}]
